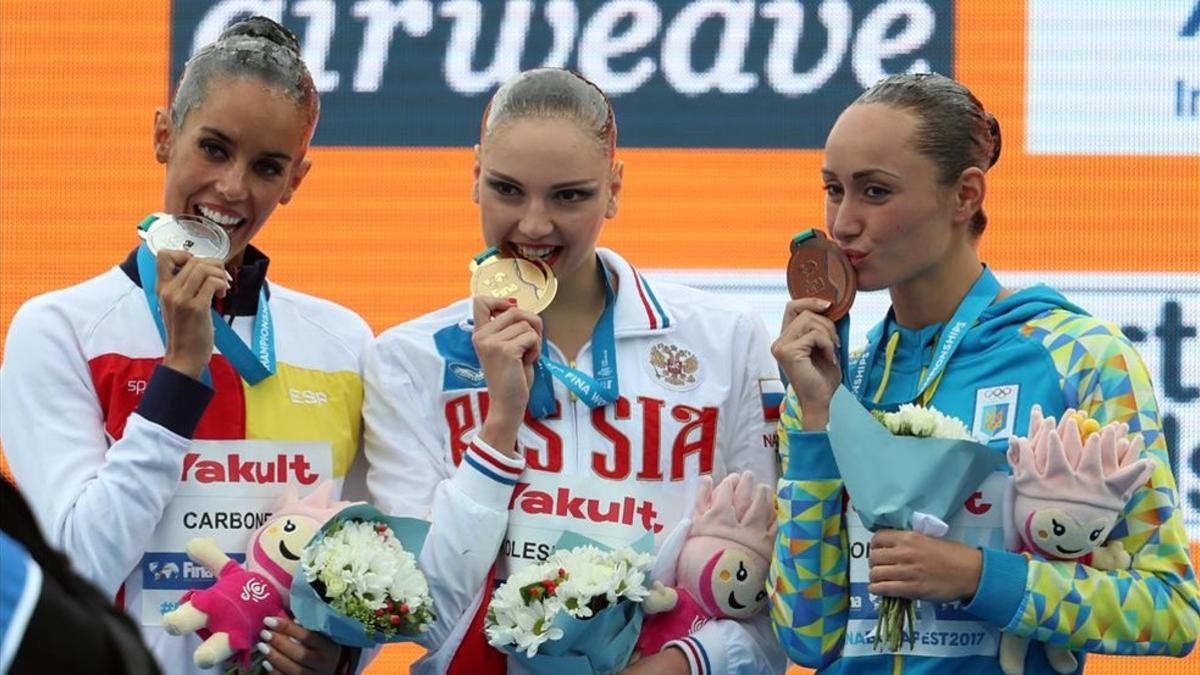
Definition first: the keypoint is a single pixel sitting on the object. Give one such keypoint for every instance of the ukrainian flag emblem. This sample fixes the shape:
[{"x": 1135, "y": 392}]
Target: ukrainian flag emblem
[{"x": 995, "y": 417}]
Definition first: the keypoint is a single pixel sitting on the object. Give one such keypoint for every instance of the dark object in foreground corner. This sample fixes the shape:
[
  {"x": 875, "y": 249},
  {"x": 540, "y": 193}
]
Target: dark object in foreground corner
[{"x": 73, "y": 628}]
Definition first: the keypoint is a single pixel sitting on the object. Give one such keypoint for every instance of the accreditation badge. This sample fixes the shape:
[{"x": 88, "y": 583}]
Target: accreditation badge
[
  {"x": 226, "y": 492},
  {"x": 942, "y": 629}
]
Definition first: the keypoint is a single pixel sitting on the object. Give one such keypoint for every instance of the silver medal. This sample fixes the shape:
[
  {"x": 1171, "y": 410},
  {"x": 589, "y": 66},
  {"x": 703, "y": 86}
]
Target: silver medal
[{"x": 199, "y": 236}]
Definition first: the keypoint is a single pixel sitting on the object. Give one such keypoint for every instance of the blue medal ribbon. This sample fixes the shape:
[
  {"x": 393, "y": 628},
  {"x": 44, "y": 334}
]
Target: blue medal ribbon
[
  {"x": 596, "y": 390},
  {"x": 978, "y": 299},
  {"x": 254, "y": 365}
]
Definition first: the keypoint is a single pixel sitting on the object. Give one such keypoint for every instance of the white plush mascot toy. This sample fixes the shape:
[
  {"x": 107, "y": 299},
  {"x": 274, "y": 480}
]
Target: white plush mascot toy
[{"x": 1071, "y": 481}]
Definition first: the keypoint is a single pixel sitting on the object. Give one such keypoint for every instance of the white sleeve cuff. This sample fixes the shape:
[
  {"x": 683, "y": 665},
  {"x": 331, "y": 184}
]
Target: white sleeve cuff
[
  {"x": 704, "y": 649},
  {"x": 487, "y": 475},
  {"x": 728, "y": 647}
]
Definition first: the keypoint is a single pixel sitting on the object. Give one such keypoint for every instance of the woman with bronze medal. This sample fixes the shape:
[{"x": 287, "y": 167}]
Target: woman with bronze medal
[
  {"x": 127, "y": 431},
  {"x": 590, "y": 400},
  {"x": 905, "y": 177}
]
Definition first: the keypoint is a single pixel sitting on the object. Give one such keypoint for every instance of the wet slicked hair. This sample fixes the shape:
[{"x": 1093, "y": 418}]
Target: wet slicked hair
[
  {"x": 953, "y": 129},
  {"x": 556, "y": 93},
  {"x": 256, "y": 47}
]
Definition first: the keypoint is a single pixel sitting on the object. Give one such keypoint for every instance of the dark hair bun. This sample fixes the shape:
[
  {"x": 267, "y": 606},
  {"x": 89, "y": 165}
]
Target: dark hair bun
[
  {"x": 994, "y": 130},
  {"x": 265, "y": 28}
]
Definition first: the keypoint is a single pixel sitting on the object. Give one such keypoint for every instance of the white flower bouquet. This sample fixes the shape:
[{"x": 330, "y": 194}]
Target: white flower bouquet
[
  {"x": 907, "y": 470},
  {"x": 358, "y": 581},
  {"x": 579, "y": 611},
  {"x": 922, "y": 422},
  {"x": 897, "y": 616}
]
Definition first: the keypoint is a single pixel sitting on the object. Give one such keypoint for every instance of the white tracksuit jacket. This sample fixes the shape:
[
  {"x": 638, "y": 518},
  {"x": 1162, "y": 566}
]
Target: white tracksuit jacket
[
  {"x": 97, "y": 432},
  {"x": 694, "y": 373}
]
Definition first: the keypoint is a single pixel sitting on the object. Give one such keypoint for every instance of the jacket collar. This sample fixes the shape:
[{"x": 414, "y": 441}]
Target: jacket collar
[{"x": 639, "y": 311}]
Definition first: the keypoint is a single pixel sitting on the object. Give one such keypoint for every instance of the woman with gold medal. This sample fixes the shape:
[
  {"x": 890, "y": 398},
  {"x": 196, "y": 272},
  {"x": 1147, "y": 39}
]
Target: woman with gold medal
[{"x": 588, "y": 399}]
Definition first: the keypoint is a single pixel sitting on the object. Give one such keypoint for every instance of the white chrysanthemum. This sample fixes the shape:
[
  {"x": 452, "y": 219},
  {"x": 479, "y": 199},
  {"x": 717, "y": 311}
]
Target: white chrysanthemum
[
  {"x": 361, "y": 562},
  {"x": 589, "y": 574},
  {"x": 952, "y": 427},
  {"x": 915, "y": 420},
  {"x": 585, "y": 581},
  {"x": 409, "y": 588},
  {"x": 631, "y": 558},
  {"x": 527, "y": 627},
  {"x": 632, "y": 570}
]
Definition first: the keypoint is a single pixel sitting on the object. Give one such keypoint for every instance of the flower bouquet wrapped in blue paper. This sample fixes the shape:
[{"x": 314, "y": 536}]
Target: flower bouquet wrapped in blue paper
[
  {"x": 577, "y": 612},
  {"x": 909, "y": 470},
  {"x": 358, "y": 581}
]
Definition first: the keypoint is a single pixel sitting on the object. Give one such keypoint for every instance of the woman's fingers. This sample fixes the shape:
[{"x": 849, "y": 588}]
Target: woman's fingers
[
  {"x": 814, "y": 343},
  {"x": 484, "y": 308},
  {"x": 799, "y": 306},
  {"x": 196, "y": 283},
  {"x": 504, "y": 316},
  {"x": 167, "y": 264},
  {"x": 291, "y": 648},
  {"x": 531, "y": 343},
  {"x": 213, "y": 287},
  {"x": 806, "y": 322}
]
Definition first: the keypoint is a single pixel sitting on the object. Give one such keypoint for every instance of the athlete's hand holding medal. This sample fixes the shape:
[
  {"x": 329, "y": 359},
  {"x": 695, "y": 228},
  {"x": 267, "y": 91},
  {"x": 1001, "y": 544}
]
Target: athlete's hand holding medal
[
  {"x": 189, "y": 258},
  {"x": 811, "y": 345},
  {"x": 508, "y": 293}
]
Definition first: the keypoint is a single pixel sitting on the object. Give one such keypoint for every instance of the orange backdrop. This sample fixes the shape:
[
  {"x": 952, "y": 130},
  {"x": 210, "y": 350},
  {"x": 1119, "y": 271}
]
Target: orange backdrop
[{"x": 388, "y": 232}]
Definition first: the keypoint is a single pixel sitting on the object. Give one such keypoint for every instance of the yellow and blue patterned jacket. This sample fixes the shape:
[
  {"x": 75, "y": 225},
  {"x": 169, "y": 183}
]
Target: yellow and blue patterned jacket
[{"x": 1032, "y": 347}]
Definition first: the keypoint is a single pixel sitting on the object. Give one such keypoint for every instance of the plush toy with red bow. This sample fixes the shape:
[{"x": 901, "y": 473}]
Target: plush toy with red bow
[
  {"x": 229, "y": 614},
  {"x": 722, "y": 567}
]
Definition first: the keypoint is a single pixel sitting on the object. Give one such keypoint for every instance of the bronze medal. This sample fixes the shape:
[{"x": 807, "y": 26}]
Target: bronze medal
[
  {"x": 531, "y": 283},
  {"x": 819, "y": 269}
]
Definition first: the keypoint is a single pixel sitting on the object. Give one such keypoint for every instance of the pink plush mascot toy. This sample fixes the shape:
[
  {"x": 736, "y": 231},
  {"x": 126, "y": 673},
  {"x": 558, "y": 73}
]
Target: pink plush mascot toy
[
  {"x": 722, "y": 567},
  {"x": 229, "y": 614},
  {"x": 1071, "y": 481}
]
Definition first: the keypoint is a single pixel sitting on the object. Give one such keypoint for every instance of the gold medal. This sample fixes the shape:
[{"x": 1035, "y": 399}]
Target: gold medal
[{"x": 531, "y": 283}]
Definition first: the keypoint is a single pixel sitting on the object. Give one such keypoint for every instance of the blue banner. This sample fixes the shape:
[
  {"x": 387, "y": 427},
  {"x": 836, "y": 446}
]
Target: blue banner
[{"x": 719, "y": 73}]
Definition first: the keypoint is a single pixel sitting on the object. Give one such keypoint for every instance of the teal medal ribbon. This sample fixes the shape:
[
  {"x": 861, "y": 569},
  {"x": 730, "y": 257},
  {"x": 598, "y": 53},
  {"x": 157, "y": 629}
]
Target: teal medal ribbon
[
  {"x": 596, "y": 390},
  {"x": 253, "y": 365},
  {"x": 978, "y": 299}
]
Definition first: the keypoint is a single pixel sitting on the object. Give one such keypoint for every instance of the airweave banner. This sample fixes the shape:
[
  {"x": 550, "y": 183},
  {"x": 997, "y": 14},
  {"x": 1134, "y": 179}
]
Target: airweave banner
[{"x": 706, "y": 73}]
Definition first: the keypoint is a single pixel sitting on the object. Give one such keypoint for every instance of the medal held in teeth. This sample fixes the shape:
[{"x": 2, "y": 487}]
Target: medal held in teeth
[
  {"x": 530, "y": 282},
  {"x": 196, "y": 235}
]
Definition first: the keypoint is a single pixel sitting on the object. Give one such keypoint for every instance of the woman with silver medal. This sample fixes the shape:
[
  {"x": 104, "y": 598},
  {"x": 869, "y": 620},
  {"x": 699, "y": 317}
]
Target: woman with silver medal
[{"x": 113, "y": 399}]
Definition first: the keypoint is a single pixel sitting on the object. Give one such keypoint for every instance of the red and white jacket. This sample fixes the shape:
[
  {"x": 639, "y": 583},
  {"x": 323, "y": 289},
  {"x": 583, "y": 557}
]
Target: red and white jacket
[
  {"x": 698, "y": 396},
  {"x": 100, "y": 435}
]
